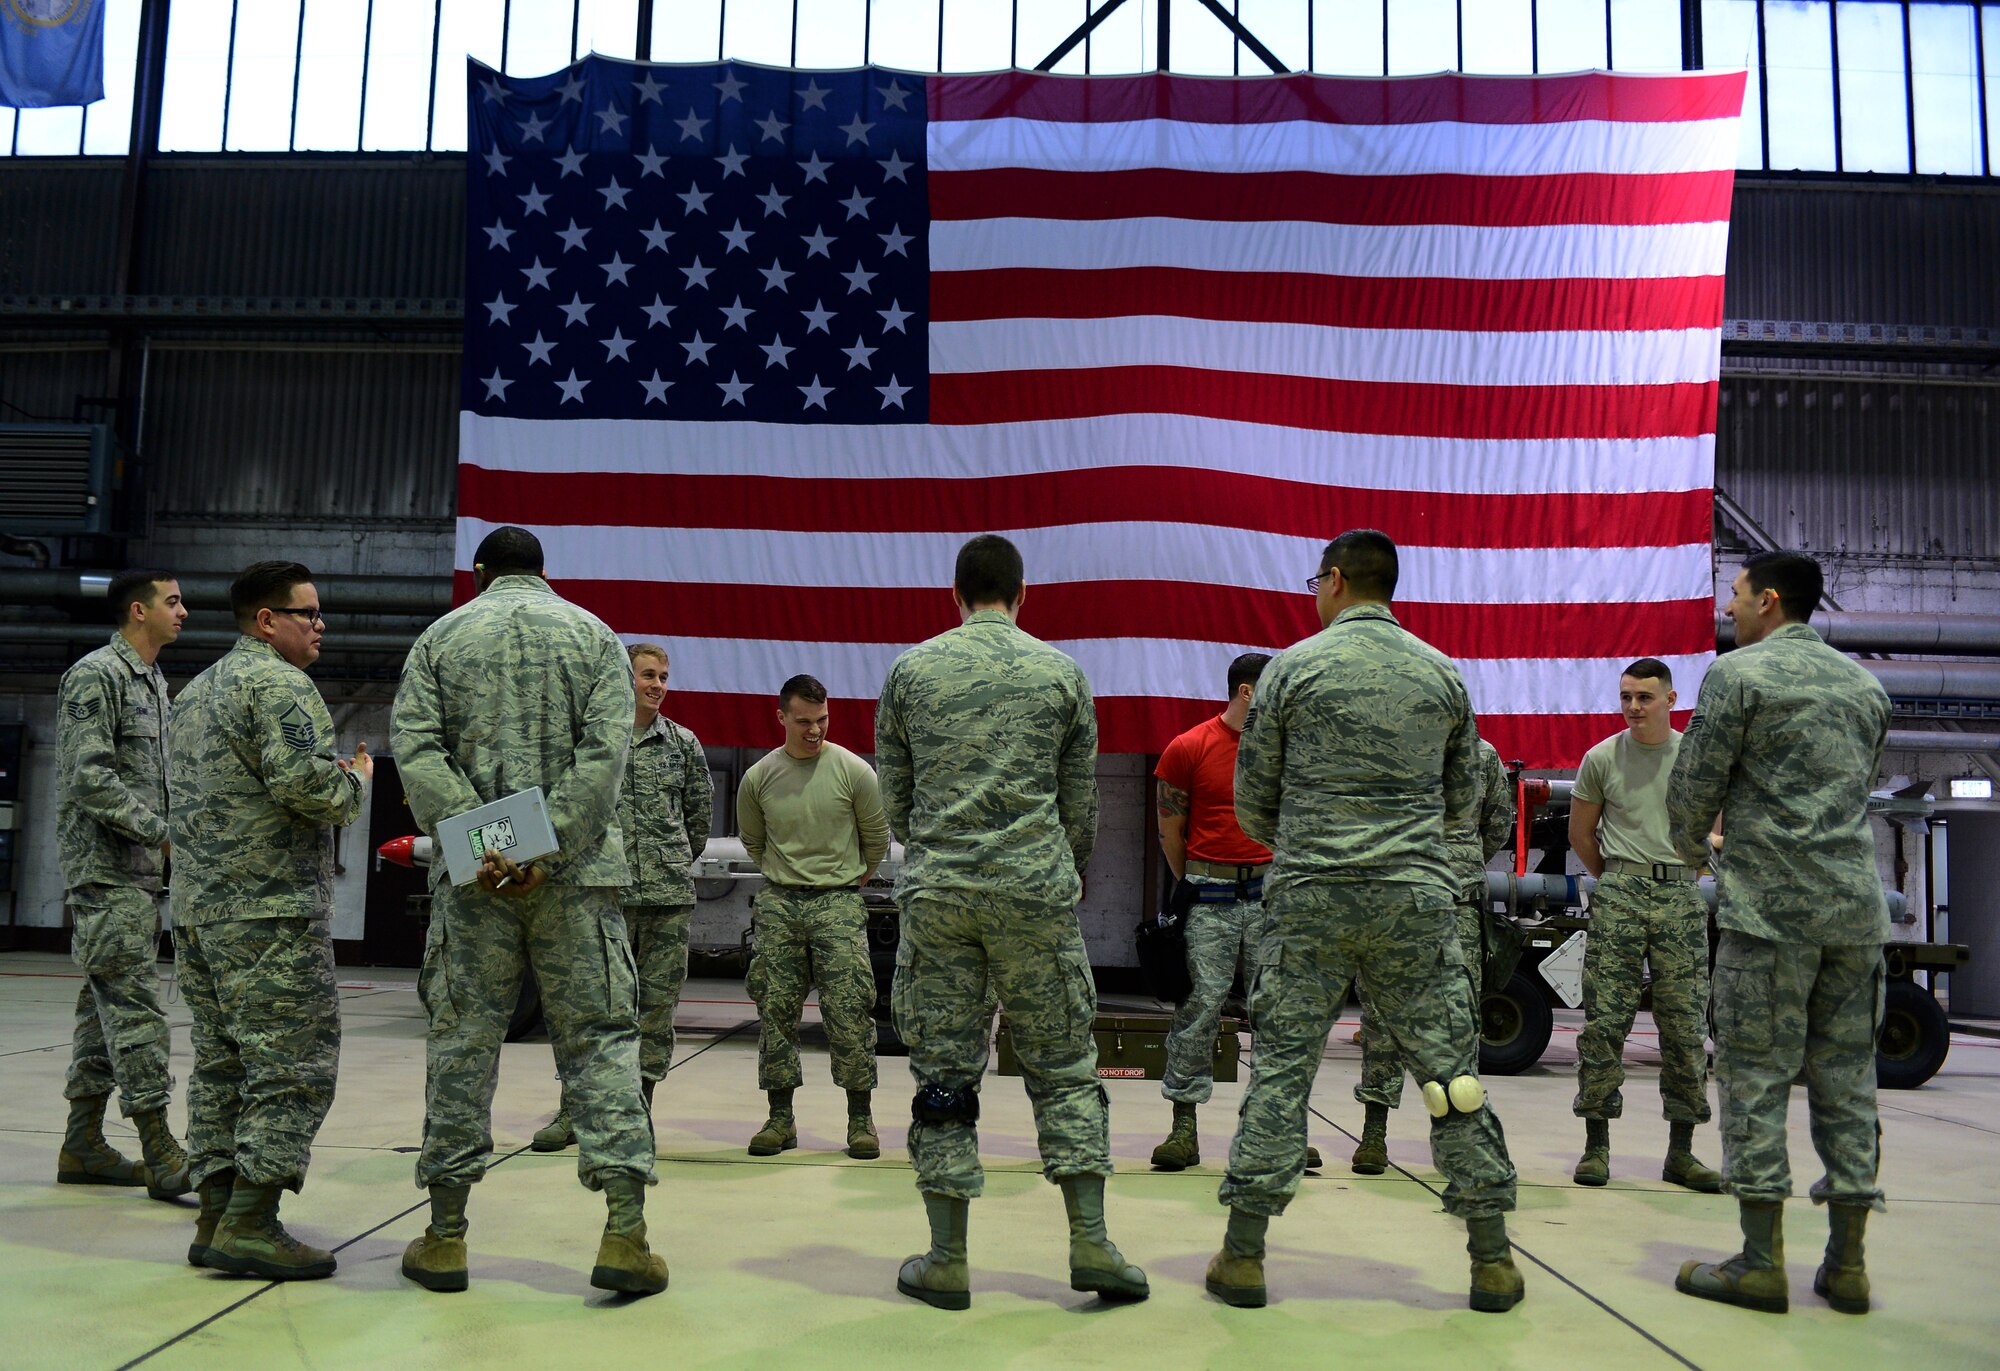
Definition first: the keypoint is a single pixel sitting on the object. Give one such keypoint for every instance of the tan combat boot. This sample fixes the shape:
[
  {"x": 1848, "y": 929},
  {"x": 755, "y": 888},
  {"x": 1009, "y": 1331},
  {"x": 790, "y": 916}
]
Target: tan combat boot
[
  {"x": 1182, "y": 1147},
  {"x": 624, "y": 1262},
  {"x": 1842, "y": 1279},
  {"x": 556, "y": 1135},
  {"x": 1496, "y": 1284},
  {"x": 863, "y": 1143},
  {"x": 1594, "y": 1168},
  {"x": 1095, "y": 1263},
  {"x": 250, "y": 1241},
  {"x": 166, "y": 1163},
  {"x": 941, "y": 1277},
  {"x": 436, "y": 1259},
  {"x": 1755, "y": 1277},
  {"x": 214, "y": 1193},
  {"x": 86, "y": 1158},
  {"x": 1371, "y": 1155},
  {"x": 1683, "y": 1168},
  {"x": 1236, "y": 1273}
]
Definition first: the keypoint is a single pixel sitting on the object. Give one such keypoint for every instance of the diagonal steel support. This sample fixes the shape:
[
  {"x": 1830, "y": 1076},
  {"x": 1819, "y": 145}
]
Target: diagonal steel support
[
  {"x": 1245, "y": 37},
  {"x": 1083, "y": 31}
]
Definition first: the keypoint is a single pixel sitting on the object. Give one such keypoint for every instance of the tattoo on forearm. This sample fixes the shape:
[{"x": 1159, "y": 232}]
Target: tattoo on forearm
[{"x": 1173, "y": 802}]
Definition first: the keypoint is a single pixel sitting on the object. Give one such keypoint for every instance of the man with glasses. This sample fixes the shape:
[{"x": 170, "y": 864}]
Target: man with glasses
[
  {"x": 256, "y": 794},
  {"x": 111, "y": 825},
  {"x": 1358, "y": 755}
]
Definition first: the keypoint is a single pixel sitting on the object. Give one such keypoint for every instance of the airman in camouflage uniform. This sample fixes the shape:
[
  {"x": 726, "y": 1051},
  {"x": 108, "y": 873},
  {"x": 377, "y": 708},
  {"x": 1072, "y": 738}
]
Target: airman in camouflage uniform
[
  {"x": 664, "y": 805},
  {"x": 256, "y": 794},
  {"x": 520, "y": 688},
  {"x": 986, "y": 740},
  {"x": 1468, "y": 851},
  {"x": 1645, "y": 913},
  {"x": 811, "y": 817},
  {"x": 1359, "y": 755},
  {"x": 1785, "y": 741},
  {"x": 111, "y": 827}
]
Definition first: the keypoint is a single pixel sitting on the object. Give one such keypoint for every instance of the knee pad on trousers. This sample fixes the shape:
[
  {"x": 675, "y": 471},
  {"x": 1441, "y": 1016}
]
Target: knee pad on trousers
[
  {"x": 936, "y": 1104},
  {"x": 1465, "y": 1095}
]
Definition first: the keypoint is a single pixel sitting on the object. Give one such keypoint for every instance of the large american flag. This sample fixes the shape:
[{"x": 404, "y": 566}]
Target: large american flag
[{"x": 753, "y": 350}]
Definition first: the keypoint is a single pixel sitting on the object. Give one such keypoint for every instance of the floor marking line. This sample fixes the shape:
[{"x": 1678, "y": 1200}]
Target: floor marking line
[
  {"x": 1936, "y": 1118},
  {"x": 269, "y": 1286},
  {"x": 1515, "y": 1244}
]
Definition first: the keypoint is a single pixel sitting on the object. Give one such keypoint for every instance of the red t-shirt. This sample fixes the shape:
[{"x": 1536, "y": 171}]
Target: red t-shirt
[{"x": 1202, "y": 761}]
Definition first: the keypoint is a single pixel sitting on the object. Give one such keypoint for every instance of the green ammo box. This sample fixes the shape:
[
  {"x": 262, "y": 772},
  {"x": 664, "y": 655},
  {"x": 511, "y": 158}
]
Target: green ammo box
[{"x": 1134, "y": 1047}]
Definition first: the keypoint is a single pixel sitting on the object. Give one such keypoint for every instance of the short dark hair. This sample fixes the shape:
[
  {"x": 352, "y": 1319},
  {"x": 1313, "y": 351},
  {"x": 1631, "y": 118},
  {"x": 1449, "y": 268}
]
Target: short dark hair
[
  {"x": 264, "y": 585},
  {"x": 1246, "y": 669},
  {"x": 1367, "y": 558},
  {"x": 509, "y": 551},
  {"x": 988, "y": 572},
  {"x": 1650, "y": 669},
  {"x": 1795, "y": 576},
  {"x": 801, "y": 687},
  {"x": 130, "y": 586}
]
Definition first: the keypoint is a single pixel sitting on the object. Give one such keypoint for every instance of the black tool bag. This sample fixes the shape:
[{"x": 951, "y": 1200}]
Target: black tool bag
[{"x": 1162, "y": 946}]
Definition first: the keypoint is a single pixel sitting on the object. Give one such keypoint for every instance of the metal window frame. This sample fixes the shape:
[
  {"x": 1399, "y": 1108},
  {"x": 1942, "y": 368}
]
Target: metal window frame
[{"x": 148, "y": 75}]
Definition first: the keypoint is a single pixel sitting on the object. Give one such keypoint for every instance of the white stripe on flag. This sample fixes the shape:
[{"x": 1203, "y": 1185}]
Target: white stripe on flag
[
  {"x": 1373, "y": 461},
  {"x": 1414, "y": 356},
  {"x": 1085, "y": 551},
  {"x": 1538, "y": 252},
  {"x": 1568, "y": 146}
]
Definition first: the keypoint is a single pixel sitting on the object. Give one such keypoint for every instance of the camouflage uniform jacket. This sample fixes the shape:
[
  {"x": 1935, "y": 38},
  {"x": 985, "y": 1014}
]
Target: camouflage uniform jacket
[
  {"x": 663, "y": 812},
  {"x": 1470, "y": 849},
  {"x": 111, "y": 769},
  {"x": 1785, "y": 739},
  {"x": 520, "y": 688},
  {"x": 1358, "y": 756},
  {"x": 255, "y": 792},
  {"x": 986, "y": 746}
]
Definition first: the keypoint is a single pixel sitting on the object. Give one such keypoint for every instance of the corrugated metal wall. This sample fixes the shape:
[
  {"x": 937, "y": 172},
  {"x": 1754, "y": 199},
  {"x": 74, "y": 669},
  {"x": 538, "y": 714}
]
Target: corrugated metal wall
[
  {"x": 1886, "y": 467},
  {"x": 370, "y": 436}
]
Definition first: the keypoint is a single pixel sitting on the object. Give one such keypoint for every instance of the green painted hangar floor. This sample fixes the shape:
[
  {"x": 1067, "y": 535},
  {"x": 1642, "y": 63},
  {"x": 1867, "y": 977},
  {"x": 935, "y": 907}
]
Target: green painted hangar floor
[{"x": 791, "y": 1261}]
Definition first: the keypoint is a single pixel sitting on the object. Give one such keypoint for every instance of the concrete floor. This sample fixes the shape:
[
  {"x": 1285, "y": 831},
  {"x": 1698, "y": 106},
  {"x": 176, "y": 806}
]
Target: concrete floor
[{"x": 791, "y": 1261}]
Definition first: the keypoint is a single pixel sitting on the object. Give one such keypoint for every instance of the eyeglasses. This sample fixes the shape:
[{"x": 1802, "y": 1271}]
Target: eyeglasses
[
  {"x": 310, "y": 614},
  {"x": 1313, "y": 583}
]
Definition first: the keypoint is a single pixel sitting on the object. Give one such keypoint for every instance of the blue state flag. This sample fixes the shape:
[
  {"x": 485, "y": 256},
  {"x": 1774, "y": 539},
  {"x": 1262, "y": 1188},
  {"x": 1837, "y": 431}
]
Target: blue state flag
[{"x": 51, "y": 52}]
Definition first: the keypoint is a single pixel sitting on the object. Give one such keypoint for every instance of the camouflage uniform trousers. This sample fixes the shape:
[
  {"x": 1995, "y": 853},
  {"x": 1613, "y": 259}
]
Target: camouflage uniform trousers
[
  {"x": 477, "y": 949},
  {"x": 1381, "y": 1069},
  {"x": 266, "y": 1045},
  {"x": 808, "y": 938},
  {"x": 659, "y": 937},
  {"x": 955, "y": 959},
  {"x": 1401, "y": 942},
  {"x": 1783, "y": 1009},
  {"x": 1220, "y": 937},
  {"x": 121, "y": 1036},
  {"x": 1634, "y": 922}
]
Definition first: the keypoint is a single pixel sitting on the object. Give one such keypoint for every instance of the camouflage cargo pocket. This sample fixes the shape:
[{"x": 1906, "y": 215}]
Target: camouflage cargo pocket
[
  {"x": 621, "y": 971},
  {"x": 116, "y": 928},
  {"x": 1744, "y": 994},
  {"x": 434, "y": 981},
  {"x": 902, "y": 993}
]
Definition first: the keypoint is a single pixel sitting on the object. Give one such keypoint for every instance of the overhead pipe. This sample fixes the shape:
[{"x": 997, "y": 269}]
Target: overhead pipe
[
  {"x": 418, "y": 596},
  {"x": 361, "y": 640},
  {"x": 1916, "y": 740},
  {"x": 1858, "y": 630}
]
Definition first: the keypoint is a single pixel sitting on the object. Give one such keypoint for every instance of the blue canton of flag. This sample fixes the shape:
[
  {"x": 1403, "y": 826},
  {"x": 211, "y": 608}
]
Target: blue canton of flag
[
  {"x": 720, "y": 242},
  {"x": 51, "y": 53}
]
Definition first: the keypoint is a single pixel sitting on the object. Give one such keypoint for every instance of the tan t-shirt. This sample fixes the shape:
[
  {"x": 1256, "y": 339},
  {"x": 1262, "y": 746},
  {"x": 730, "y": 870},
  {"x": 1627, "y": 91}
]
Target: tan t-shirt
[
  {"x": 817, "y": 822},
  {"x": 1629, "y": 779}
]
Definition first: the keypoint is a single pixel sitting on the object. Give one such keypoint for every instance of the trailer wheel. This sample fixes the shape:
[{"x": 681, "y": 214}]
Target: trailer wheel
[
  {"x": 1914, "y": 1039},
  {"x": 1515, "y": 1022}
]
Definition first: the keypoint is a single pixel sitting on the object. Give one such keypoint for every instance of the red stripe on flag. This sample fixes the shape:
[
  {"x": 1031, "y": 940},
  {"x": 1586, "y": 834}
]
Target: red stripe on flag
[
  {"x": 1128, "y": 723},
  {"x": 1143, "y": 494},
  {"x": 1677, "y": 410},
  {"x": 1193, "y": 611},
  {"x": 1339, "y": 100},
  {"x": 1585, "y": 304},
  {"x": 1313, "y": 197}
]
